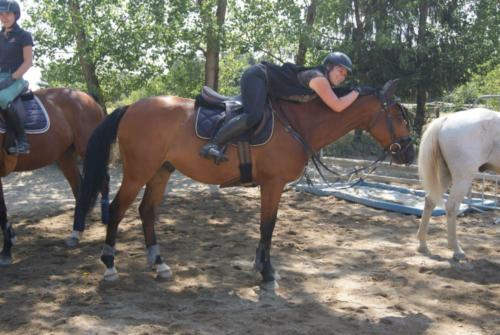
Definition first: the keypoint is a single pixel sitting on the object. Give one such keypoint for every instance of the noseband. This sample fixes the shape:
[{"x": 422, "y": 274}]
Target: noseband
[{"x": 398, "y": 145}]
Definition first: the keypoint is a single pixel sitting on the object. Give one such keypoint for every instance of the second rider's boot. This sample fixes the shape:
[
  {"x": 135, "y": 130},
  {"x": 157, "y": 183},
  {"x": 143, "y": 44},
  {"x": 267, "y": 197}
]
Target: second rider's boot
[{"x": 21, "y": 145}]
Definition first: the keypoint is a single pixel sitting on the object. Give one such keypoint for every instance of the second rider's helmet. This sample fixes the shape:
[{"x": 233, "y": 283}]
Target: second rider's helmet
[{"x": 10, "y": 6}]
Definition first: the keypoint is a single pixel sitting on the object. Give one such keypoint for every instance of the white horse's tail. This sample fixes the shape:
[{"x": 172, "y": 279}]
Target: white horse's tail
[{"x": 432, "y": 169}]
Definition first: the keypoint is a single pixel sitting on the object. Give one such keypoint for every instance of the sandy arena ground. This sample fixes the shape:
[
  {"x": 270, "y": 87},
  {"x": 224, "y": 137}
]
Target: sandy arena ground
[{"x": 345, "y": 268}]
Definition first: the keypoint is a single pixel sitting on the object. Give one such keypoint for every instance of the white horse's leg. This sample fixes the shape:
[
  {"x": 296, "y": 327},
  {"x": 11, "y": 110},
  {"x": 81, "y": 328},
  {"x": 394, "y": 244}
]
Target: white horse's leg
[
  {"x": 457, "y": 193},
  {"x": 424, "y": 225}
]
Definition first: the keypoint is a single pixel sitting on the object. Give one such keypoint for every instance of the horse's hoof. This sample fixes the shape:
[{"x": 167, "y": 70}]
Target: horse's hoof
[
  {"x": 5, "y": 261},
  {"x": 423, "y": 250},
  {"x": 163, "y": 272},
  {"x": 459, "y": 256},
  {"x": 269, "y": 286},
  {"x": 110, "y": 275},
  {"x": 72, "y": 242}
]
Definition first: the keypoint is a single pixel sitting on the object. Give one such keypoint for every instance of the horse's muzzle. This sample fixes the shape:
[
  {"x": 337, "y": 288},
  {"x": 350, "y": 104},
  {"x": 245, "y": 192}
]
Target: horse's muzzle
[{"x": 402, "y": 151}]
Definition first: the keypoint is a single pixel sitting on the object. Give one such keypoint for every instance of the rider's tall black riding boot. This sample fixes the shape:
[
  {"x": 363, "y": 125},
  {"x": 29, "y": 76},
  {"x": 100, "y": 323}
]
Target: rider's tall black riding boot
[
  {"x": 16, "y": 121},
  {"x": 231, "y": 129}
]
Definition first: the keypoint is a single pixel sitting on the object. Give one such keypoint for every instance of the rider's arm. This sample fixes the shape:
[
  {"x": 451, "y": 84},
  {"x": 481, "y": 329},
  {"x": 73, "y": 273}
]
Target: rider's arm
[
  {"x": 27, "y": 63},
  {"x": 322, "y": 87}
]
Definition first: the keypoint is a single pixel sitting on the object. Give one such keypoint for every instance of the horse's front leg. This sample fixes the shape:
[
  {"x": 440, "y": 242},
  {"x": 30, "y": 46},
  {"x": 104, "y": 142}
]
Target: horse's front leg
[
  {"x": 124, "y": 198},
  {"x": 270, "y": 198},
  {"x": 9, "y": 237}
]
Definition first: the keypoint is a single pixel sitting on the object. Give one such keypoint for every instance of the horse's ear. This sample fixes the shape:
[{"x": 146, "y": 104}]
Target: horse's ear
[{"x": 390, "y": 88}]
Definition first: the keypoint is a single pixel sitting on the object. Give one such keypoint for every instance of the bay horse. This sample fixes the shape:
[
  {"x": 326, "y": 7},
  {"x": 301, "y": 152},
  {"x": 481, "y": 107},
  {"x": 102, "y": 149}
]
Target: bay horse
[
  {"x": 73, "y": 116},
  {"x": 453, "y": 149},
  {"x": 156, "y": 135}
]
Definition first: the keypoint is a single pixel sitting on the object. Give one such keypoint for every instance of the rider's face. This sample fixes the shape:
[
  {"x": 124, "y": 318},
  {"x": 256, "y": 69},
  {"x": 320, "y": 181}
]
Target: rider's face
[
  {"x": 337, "y": 75},
  {"x": 7, "y": 19}
]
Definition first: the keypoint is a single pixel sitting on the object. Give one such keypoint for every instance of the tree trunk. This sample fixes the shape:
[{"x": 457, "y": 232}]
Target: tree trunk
[
  {"x": 304, "y": 39},
  {"x": 380, "y": 17},
  {"x": 358, "y": 33},
  {"x": 83, "y": 50},
  {"x": 421, "y": 61},
  {"x": 357, "y": 36},
  {"x": 214, "y": 36}
]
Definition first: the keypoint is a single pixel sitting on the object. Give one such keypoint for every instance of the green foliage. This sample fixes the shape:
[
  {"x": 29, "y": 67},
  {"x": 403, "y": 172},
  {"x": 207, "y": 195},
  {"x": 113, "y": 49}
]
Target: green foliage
[
  {"x": 185, "y": 78},
  {"x": 232, "y": 66},
  {"x": 468, "y": 93},
  {"x": 155, "y": 47},
  {"x": 126, "y": 41}
]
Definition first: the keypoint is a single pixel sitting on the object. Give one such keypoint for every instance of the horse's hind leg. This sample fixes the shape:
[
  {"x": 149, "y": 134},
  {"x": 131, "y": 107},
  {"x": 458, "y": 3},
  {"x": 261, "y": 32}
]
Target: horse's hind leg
[
  {"x": 458, "y": 190},
  {"x": 69, "y": 167},
  {"x": 9, "y": 237},
  {"x": 126, "y": 195},
  {"x": 424, "y": 225},
  {"x": 153, "y": 196}
]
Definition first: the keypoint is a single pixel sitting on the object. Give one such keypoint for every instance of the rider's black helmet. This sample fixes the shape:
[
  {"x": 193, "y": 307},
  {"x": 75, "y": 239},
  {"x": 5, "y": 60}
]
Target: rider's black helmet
[
  {"x": 338, "y": 58},
  {"x": 10, "y": 6}
]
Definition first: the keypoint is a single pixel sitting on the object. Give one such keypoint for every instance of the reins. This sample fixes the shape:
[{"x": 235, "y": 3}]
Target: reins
[{"x": 314, "y": 157}]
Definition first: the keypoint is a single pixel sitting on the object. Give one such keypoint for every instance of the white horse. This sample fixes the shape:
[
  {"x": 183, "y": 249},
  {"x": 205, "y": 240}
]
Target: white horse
[{"x": 453, "y": 149}]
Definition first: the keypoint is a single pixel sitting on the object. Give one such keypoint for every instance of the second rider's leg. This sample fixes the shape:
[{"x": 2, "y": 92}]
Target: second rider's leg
[{"x": 16, "y": 114}]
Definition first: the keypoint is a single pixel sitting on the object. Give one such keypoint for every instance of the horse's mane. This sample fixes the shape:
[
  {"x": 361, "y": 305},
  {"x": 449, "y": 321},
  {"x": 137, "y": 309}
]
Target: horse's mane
[
  {"x": 94, "y": 96},
  {"x": 318, "y": 105}
]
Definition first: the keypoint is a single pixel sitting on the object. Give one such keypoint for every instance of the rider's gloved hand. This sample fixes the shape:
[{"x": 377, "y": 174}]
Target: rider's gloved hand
[{"x": 364, "y": 90}]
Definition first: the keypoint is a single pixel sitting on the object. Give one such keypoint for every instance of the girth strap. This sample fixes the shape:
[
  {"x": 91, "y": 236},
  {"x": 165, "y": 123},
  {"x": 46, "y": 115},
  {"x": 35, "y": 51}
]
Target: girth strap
[{"x": 244, "y": 156}]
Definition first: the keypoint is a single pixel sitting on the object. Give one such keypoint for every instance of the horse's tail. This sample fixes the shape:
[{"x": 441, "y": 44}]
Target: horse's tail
[
  {"x": 95, "y": 165},
  {"x": 432, "y": 169}
]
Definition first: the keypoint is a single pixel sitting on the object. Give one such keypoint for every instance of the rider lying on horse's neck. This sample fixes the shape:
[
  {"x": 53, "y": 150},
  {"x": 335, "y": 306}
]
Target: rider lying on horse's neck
[{"x": 317, "y": 130}]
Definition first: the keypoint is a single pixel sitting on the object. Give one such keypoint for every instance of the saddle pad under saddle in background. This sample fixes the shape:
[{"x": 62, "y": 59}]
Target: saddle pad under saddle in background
[
  {"x": 208, "y": 118},
  {"x": 36, "y": 120}
]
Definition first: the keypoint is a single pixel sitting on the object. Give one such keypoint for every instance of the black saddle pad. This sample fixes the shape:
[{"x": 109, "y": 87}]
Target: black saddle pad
[
  {"x": 209, "y": 119},
  {"x": 36, "y": 120}
]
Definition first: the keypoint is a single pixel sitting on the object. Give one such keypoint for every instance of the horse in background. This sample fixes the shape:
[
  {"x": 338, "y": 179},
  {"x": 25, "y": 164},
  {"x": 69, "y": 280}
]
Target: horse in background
[
  {"x": 157, "y": 135},
  {"x": 72, "y": 116},
  {"x": 453, "y": 149}
]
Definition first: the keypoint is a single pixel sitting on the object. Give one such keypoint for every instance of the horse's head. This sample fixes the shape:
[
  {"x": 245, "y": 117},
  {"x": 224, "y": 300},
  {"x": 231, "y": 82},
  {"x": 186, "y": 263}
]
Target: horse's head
[{"x": 390, "y": 125}]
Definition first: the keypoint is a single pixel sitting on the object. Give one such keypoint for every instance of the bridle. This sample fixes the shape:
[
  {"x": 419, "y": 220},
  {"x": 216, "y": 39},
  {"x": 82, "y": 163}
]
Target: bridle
[{"x": 398, "y": 145}]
